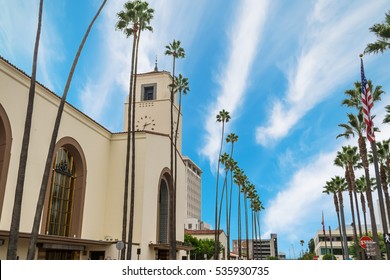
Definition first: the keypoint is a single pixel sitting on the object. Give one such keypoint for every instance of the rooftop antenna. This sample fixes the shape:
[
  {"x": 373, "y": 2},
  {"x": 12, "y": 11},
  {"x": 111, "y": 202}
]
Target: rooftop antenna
[{"x": 155, "y": 65}]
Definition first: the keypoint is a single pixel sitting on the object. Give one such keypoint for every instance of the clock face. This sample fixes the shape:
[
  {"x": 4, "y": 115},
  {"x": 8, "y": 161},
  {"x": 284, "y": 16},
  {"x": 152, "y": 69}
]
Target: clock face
[{"x": 145, "y": 123}]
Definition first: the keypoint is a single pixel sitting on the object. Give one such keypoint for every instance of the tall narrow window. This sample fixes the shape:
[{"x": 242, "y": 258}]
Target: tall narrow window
[
  {"x": 61, "y": 195},
  {"x": 148, "y": 92},
  {"x": 163, "y": 213},
  {"x": 5, "y": 152}
]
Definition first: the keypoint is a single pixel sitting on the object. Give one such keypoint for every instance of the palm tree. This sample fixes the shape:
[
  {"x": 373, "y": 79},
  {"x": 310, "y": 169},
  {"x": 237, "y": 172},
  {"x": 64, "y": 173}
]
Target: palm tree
[
  {"x": 222, "y": 117},
  {"x": 341, "y": 186},
  {"x": 256, "y": 206},
  {"x": 360, "y": 186},
  {"x": 384, "y": 157},
  {"x": 253, "y": 198},
  {"x": 254, "y": 231},
  {"x": 356, "y": 126},
  {"x": 302, "y": 242},
  {"x": 17, "y": 208},
  {"x": 382, "y": 32},
  {"x": 181, "y": 86},
  {"x": 353, "y": 160},
  {"x": 231, "y": 138},
  {"x": 230, "y": 166},
  {"x": 345, "y": 159},
  {"x": 239, "y": 179},
  {"x": 333, "y": 187},
  {"x": 176, "y": 51},
  {"x": 387, "y": 116},
  {"x": 135, "y": 18},
  {"x": 247, "y": 189},
  {"x": 49, "y": 159},
  {"x": 225, "y": 160}
]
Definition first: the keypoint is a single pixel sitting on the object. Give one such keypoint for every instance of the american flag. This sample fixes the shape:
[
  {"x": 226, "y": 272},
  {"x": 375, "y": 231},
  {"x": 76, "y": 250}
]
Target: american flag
[{"x": 368, "y": 103}]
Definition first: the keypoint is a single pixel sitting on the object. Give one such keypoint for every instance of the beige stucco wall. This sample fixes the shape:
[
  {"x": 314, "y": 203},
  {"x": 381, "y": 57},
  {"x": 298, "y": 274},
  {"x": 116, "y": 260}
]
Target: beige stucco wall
[
  {"x": 158, "y": 110},
  {"x": 93, "y": 139},
  {"x": 105, "y": 157}
]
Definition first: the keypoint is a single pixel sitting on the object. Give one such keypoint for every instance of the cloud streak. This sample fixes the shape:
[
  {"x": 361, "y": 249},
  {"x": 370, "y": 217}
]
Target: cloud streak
[
  {"x": 330, "y": 45},
  {"x": 21, "y": 17},
  {"x": 244, "y": 39},
  {"x": 111, "y": 84},
  {"x": 290, "y": 212}
]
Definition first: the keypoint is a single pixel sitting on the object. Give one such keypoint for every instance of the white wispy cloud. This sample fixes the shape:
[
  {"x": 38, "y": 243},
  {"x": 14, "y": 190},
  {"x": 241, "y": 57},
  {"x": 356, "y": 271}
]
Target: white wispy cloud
[
  {"x": 293, "y": 207},
  {"x": 244, "y": 39},
  {"x": 290, "y": 212},
  {"x": 331, "y": 44},
  {"x": 20, "y": 18}
]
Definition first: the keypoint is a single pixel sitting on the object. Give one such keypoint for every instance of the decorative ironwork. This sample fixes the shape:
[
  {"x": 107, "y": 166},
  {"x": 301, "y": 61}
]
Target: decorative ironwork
[{"x": 63, "y": 168}]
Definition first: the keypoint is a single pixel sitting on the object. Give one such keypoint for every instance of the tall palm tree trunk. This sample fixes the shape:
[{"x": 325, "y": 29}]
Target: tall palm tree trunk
[
  {"x": 255, "y": 255},
  {"x": 175, "y": 145},
  {"x": 216, "y": 245},
  {"x": 387, "y": 200},
  {"x": 336, "y": 205},
  {"x": 133, "y": 160},
  {"x": 224, "y": 187},
  {"x": 385, "y": 190},
  {"x": 227, "y": 222},
  {"x": 128, "y": 149},
  {"x": 17, "y": 209},
  {"x": 355, "y": 237},
  {"x": 246, "y": 227},
  {"x": 49, "y": 159},
  {"x": 229, "y": 202},
  {"x": 343, "y": 227},
  {"x": 382, "y": 210},
  {"x": 253, "y": 234},
  {"x": 259, "y": 234},
  {"x": 172, "y": 193},
  {"x": 363, "y": 155},
  {"x": 239, "y": 223},
  {"x": 363, "y": 202},
  {"x": 352, "y": 182},
  {"x": 230, "y": 214}
]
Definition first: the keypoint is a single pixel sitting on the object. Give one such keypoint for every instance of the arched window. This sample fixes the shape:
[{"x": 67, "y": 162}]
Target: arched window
[
  {"x": 5, "y": 152},
  {"x": 163, "y": 211},
  {"x": 59, "y": 219},
  {"x": 64, "y": 202}
]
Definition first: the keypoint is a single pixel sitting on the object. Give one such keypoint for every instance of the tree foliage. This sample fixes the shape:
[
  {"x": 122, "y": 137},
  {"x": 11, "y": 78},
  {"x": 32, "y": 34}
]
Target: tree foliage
[
  {"x": 329, "y": 257},
  {"x": 382, "y": 247},
  {"x": 201, "y": 247}
]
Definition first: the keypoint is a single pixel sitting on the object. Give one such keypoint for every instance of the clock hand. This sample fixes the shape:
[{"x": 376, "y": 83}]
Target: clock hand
[{"x": 146, "y": 124}]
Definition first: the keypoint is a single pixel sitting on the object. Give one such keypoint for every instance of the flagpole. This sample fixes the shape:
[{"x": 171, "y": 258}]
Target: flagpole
[
  {"x": 323, "y": 231},
  {"x": 371, "y": 138},
  {"x": 331, "y": 244}
]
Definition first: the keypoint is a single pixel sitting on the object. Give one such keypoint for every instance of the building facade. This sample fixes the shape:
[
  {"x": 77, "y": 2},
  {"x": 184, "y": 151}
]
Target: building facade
[
  {"x": 260, "y": 249},
  {"x": 331, "y": 242},
  {"x": 83, "y": 211},
  {"x": 194, "y": 189}
]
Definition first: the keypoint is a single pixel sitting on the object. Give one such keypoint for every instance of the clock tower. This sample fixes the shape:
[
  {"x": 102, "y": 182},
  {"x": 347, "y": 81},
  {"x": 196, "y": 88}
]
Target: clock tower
[{"x": 152, "y": 105}]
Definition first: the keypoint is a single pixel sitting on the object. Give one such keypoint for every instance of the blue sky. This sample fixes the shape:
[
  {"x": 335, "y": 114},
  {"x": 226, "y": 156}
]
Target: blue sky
[{"x": 279, "y": 67}]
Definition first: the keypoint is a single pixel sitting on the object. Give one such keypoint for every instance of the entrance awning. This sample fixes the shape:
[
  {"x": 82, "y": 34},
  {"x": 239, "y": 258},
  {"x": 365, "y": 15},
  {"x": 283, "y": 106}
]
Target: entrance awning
[
  {"x": 165, "y": 246},
  {"x": 60, "y": 242}
]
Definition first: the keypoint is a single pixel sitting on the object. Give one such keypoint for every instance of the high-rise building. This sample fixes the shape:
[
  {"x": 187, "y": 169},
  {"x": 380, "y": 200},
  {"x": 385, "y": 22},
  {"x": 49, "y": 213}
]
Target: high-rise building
[
  {"x": 194, "y": 189},
  {"x": 259, "y": 249}
]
